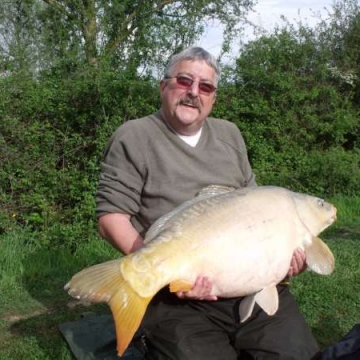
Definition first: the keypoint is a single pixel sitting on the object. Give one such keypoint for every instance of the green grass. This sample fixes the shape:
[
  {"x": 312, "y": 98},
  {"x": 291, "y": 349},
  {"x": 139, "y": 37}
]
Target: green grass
[
  {"x": 33, "y": 303},
  {"x": 331, "y": 304}
]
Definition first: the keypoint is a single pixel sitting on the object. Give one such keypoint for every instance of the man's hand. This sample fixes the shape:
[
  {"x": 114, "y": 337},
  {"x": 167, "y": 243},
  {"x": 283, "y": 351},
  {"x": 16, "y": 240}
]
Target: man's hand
[
  {"x": 298, "y": 263},
  {"x": 200, "y": 291}
]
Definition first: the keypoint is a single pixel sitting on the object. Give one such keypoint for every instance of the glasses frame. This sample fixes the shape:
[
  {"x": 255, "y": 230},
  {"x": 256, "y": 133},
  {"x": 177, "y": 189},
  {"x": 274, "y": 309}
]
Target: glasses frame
[{"x": 191, "y": 81}]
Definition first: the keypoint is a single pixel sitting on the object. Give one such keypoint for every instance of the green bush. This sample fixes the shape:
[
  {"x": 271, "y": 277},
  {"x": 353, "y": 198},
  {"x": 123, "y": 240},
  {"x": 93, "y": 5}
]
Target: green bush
[
  {"x": 288, "y": 93},
  {"x": 53, "y": 133},
  {"x": 300, "y": 123}
]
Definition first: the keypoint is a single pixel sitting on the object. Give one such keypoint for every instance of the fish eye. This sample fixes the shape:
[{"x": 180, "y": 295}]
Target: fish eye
[{"x": 320, "y": 202}]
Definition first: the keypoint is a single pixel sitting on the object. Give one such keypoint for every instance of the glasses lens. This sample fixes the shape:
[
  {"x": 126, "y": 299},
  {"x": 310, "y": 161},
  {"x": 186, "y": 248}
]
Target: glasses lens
[
  {"x": 187, "y": 82},
  {"x": 206, "y": 88},
  {"x": 184, "y": 81}
]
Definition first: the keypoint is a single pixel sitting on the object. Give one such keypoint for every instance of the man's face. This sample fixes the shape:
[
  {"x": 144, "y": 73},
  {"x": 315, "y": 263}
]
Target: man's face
[{"x": 186, "y": 107}]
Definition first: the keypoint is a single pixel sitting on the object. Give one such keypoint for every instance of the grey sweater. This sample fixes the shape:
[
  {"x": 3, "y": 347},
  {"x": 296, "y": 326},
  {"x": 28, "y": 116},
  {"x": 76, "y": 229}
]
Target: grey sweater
[{"x": 148, "y": 170}]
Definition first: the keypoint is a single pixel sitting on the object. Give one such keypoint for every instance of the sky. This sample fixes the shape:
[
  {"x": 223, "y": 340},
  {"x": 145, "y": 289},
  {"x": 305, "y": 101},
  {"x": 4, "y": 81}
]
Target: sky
[{"x": 267, "y": 14}]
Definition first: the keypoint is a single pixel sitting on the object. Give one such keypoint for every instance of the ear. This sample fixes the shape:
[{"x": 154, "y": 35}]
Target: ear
[
  {"x": 162, "y": 85},
  {"x": 214, "y": 99}
]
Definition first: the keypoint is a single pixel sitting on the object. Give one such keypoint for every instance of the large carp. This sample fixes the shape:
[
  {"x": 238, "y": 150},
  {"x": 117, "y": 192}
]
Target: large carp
[{"x": 243, "y": 240}]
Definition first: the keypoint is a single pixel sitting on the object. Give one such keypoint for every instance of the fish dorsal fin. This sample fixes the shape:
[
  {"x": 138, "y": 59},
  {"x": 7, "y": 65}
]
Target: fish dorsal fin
[
  {"x": 246, "y": 307},
  {"x": 213, "y": 190},
  {"x": 166, "y": 220},
  {"x": 319, "y": 257}
]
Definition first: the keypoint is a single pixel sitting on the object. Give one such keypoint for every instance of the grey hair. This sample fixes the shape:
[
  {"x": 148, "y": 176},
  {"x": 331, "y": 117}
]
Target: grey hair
[{"x": 193, "y": 54}]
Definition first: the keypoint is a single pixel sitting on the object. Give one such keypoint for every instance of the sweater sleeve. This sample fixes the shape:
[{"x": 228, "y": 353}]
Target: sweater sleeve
[{"x": 122, "y": 174}]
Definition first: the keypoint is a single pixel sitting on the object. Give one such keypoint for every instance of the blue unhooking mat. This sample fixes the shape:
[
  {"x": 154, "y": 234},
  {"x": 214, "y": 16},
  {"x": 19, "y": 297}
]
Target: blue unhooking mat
[
  {"x": 348, "y": 348},
  {"x": 93, "y": 338}
]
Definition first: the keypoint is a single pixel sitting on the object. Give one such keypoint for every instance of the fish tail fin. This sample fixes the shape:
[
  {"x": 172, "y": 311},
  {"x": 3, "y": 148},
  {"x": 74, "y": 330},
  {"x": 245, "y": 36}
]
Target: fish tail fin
[
  {"x": 105, "y": 283},
  {"x": 319, "y": 257},
  {"x": 128, "y": 309}
]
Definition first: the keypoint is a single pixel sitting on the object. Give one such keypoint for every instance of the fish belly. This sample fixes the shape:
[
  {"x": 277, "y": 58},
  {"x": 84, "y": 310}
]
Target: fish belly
[
  {"x": 242, "y": 246},
  {"x": 245, "y": 260}
]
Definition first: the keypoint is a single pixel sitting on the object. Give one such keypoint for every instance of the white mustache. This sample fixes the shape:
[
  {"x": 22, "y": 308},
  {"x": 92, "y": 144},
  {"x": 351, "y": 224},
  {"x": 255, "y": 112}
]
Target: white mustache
[{"x": 190, "y": 101}]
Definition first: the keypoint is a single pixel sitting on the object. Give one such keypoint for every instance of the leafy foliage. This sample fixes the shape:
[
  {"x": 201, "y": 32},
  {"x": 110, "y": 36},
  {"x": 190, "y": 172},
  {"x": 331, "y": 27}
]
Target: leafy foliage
[
  {"x": 300, "y": 121},
  {"x": 53, "y": 133},
  {"x": 293, "y": 93},
  {"x": 127, "y": 33},
  {"x": 72, "y": 71}
]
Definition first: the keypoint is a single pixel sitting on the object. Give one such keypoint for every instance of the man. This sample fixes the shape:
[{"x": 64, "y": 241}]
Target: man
[{"x": 154, "y": 164}]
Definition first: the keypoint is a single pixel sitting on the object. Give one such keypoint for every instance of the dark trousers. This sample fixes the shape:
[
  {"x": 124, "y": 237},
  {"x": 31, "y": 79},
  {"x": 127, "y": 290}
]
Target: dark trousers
[{"x": 202, "y": 330}]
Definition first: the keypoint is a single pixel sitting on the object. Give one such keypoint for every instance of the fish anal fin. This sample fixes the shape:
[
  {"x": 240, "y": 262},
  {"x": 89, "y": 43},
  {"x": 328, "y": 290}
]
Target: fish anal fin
[
  {"x": 128, "y": 309},
  {"x": 268, "y": 299},
  {"x": 180, "y": 285},
  {"x": 319, "y": 257},
  {"x": 246, "y": 307}
]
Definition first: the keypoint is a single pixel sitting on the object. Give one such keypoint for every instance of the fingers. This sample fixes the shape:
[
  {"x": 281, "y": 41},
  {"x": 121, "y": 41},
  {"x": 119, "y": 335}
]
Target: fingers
[
  {"x": 298, "y": 263},
  {"x": 201, "y": 290}
]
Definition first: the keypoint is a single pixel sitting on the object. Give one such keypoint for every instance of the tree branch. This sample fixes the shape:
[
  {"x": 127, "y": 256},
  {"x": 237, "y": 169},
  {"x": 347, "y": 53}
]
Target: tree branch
[
  {"x": 59, "y": 7},
  {"x": 124, "y": 31}
]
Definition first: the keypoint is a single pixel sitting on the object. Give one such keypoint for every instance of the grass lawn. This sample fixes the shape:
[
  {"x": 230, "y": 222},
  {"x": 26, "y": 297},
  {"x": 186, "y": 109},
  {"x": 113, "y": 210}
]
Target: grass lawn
[{"x": 33, "y": 302}]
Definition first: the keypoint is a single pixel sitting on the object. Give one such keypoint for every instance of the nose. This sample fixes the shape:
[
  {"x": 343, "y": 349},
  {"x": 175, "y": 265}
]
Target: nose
[{"x": 194, "y": 89}]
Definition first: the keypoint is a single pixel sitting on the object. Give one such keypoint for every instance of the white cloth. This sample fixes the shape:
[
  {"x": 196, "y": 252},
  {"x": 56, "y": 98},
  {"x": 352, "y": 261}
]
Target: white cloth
[{"x": 192, "y": 140}]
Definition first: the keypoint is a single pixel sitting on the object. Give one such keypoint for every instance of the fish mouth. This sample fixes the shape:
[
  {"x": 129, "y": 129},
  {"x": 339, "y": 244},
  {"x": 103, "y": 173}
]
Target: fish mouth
[
  {"x": 334, "y": 217},
  {"x": 328, "y": 223}
]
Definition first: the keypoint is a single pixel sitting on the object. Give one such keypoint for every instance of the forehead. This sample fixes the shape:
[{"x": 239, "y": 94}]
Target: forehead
[{"x": 197, "y": 69}]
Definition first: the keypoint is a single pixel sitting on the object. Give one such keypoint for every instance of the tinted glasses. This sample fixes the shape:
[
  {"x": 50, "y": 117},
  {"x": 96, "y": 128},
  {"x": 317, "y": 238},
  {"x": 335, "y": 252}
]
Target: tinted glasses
[{"x": 186, "y": 83}]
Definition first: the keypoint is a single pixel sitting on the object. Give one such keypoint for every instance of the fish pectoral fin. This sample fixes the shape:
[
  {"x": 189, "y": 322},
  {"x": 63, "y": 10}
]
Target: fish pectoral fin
[
  {"x": 319, "y": 257},
  {"x": 128, "y": 309},
  {"x": 246, "y": 307},
  {"x": 105, "y": 283},
  {"x": 268, "y": 299},
  {"x": 180, "y": 285}
]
